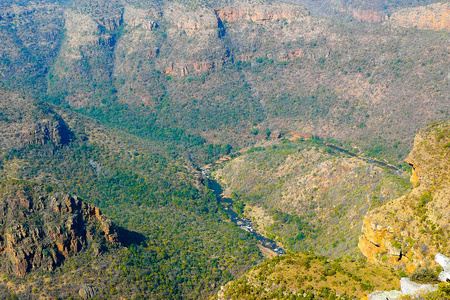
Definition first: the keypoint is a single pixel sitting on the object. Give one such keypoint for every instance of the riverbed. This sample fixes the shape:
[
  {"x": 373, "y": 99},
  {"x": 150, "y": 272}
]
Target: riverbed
[{"x": 244, "y": 224}]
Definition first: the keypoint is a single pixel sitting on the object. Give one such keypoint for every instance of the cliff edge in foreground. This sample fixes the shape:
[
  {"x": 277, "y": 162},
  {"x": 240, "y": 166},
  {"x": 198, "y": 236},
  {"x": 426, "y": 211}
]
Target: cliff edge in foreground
[{"x": 408, "y": 231}]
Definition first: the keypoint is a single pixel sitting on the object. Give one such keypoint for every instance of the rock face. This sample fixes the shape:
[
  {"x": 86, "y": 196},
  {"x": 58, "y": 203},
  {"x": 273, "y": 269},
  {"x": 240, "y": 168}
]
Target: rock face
[
  {"x": 411, "y": 288},
  {"x": 409, "y": 231},
  {"x": 383, "y": 295},
  {"x": 45, "y": 131},
  {"x": 39, "y": 228},
  {"x": 87, "y": 291},
  {"x": 25, "y": 123},
  {"x": 445, "y": 264},
  {"x": 431, "y": 17},
  {"x": 260, "y": 13}
]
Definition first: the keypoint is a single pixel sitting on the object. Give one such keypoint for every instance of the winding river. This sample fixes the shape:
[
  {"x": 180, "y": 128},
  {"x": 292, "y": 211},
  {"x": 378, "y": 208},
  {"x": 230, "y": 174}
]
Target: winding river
[
  {"x": 246, "y": 224},
  {"x": 243, "y": 224}
]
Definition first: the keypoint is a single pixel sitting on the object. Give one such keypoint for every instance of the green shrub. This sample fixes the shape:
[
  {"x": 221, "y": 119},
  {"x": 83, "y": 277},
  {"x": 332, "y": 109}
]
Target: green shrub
[
  {"x": 424, "y": 275},
  {"x": 444, "y": 290}
]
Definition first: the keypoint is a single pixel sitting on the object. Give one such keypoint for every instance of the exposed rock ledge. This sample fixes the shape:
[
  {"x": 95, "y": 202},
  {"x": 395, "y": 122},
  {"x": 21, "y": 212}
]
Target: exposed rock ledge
[
  {"x": 261, "y": 13},
  {"x": 40, "y": 228},
  {"x": 431, "y": 17},
  {"x": 409, "y": 231},
  {"x": 409, "y": 287}
]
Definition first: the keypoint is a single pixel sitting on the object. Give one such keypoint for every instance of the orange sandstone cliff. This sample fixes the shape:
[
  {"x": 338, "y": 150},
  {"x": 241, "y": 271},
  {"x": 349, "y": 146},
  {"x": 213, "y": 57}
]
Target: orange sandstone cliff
[{"x": 408, "y": 231}]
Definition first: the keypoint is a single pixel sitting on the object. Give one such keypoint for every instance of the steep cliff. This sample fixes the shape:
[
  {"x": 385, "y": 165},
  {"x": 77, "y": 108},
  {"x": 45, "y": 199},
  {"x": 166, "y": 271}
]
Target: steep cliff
[
  {"x": 409, "y": 231},
  {"x": 40, "y": 228},
  {"x": 431, "y": 17},
  {"x": 26, "y": 123}
]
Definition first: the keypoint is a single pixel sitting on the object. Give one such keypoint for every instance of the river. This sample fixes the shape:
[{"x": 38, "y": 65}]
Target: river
[
  {"x": 246, "y": 224},
  {"x": 369, "y": 160},
  {"x": 243, "y": 224}
]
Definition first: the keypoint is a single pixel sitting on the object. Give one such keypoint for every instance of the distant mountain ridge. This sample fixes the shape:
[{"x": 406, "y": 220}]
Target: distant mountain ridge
[{"x": 222, "y": 69}]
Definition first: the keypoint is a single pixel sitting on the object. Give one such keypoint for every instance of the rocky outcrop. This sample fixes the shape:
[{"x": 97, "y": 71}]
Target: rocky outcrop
[
  {"x": 444, "y": 262},
  {"x": 431, "y": 17},
  {"x": 383, "y": 295},
  {"x": 39, "y": 228},
  {"x": 46, "y": 131},
  {"x": 261, "y": 13},
  {"x": 184, "y": 69},
  {"x": 144, "y": 18},
  {"x": 408, "y": 232},
  {"x": 409, "y": 287},
  {"x": 87, "y": 291},
  {"x": 368, "y": 15},
  {"x": 31, "y": 124}
]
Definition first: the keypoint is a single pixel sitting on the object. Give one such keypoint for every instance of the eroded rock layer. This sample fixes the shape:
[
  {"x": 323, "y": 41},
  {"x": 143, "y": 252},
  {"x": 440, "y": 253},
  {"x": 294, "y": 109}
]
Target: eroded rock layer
[
  {"x": 431, "y": 17},
  {"x": 40, "y": 228},
  {"x": 410, "y": 230}
]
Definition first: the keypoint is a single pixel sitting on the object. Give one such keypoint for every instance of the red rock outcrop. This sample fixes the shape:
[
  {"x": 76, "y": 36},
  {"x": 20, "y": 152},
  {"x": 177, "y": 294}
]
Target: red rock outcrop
[
  {"x": 38, "y": 230},
  {"x": 368, "y": 15}
]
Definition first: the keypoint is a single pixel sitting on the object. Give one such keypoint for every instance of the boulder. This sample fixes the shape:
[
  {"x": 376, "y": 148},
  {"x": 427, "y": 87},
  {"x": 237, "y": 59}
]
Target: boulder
[
  {"x": 411, "y": 288},
  {"x": 87, "y": 291},
  {"x": 385, "y": 295},
  {"x": 445, "y": 264}
]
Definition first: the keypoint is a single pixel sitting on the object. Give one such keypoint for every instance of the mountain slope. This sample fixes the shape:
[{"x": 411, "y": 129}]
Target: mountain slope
[
  {"x": 183, "y": 246},
  {"x": 405, "y": 233},
  {"x": 409, "y": 231},
  {"x": 308, "y": 195},
  {"x": 220, "y": 69}
]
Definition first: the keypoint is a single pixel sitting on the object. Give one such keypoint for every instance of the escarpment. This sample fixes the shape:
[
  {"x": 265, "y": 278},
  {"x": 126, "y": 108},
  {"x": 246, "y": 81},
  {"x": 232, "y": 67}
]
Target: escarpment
[
  {"x": 409, "y": 231},
  {"x": 40, "y": 228},
  {"x": 431, "y": 17},
  {"x": 261, "y": 13}
]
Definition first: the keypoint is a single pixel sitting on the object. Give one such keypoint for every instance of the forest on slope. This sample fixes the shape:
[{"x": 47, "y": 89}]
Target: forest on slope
[
  {"x": 221, "y": 70},
  {"x": 120, "y": 103},
  {"x": 181, "y": 245}
]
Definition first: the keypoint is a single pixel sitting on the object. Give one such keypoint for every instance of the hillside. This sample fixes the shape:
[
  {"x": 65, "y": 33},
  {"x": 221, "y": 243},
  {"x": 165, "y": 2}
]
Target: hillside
[
  {"x": 120, "y": 102},
  {"x": 402, "y": 235},
  {"x": 183, "y": 246},
  {"x": 409, "y": 231},
  {"x": 308, "y": 195},
  {"x": 307, "y": 276},
  {"x": 219, "y": 70}
]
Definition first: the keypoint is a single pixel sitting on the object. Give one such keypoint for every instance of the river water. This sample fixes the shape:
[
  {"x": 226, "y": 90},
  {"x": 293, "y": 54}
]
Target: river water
[{"x": 243, "y": 224}]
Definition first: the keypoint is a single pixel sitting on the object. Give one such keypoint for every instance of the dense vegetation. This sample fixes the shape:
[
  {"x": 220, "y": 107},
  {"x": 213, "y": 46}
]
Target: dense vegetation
[
  {"x": 120, "y": 103},
  {"x": 312, "y": 196},
  {"x": 180, "y": 246},
  {"x": 308, "y": 276}
]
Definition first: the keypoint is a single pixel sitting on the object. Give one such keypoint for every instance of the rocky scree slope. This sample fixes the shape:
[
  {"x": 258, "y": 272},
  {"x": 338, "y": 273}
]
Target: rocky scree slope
[
  {"x": 409, "y": 231},
  {"x": 39, "y": 228}
]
